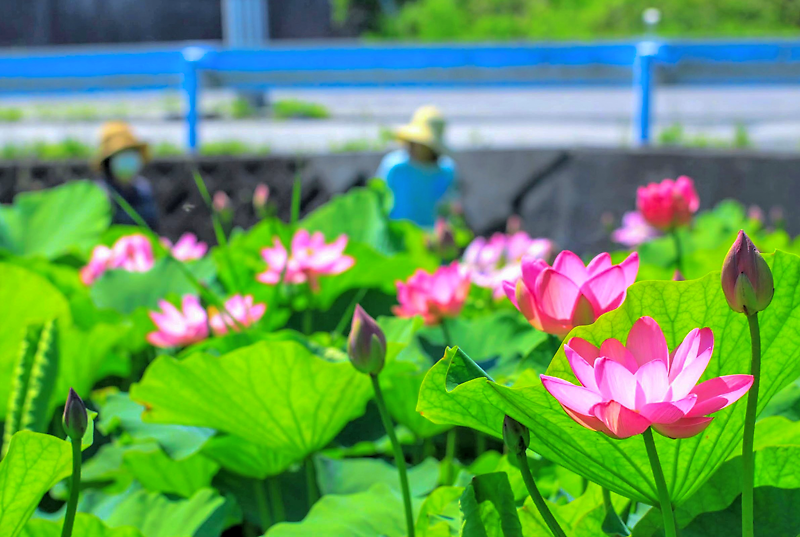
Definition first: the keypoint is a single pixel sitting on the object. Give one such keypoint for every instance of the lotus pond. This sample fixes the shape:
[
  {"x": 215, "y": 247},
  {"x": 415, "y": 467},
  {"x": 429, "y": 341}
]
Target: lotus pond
[{"x": 344, "y": 374}]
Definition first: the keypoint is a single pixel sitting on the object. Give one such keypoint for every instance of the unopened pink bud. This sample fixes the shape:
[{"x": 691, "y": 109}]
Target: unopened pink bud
[
  {"x": 260, "y": 196},
  {"x": 366, "y": 345},
  {"x": 221, "y": 201},
  {"x": 746, "y": 278}
]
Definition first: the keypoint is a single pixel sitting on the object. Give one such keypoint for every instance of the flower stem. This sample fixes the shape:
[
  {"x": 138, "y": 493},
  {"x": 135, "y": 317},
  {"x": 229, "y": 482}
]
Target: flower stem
[
  {"x": 678, "y": 251},
  {"x": 311, "y": 482},
  {"x": 263, "y": 506},
  {"x": 448, "y": 474},
  {"x": 74, "y": 490},
  {"x": 448, "y": 339},
  {"x": 670, "y": 529},
  {"x": 276, "y": 499},
  {"x": 399, "y": 458},
  {"x": 750, "y": 428},
  {"x": 536, "y": 496},
  {"x": 612, "y": 523}
]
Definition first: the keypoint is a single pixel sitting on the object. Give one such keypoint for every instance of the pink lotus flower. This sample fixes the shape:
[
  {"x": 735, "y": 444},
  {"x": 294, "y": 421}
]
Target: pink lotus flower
[
  {"x": 669, "y": 203},
  {"x": 433, "y": 296},
  {"x": 241, "y": 308},
  {"x": 634, "y": 231},
  {"x": 178, "y": 328},
  {"x": 498, "y": 259},
  {"x": 568, "y": 294},
  {"x": 310, "y": 259},
  {"x": 132, "y": 253},
  {"x": 188, "y": 248},
  {"x": 98, "y": 264},
  {"x": 626, "y": 389}
]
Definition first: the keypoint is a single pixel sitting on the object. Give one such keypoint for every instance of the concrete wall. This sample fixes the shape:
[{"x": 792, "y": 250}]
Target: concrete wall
[{"x": 562, "y": 194}]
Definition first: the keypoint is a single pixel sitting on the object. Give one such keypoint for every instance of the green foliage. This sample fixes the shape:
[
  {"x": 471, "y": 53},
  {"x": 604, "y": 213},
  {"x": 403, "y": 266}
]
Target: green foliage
[
  {"x": 27, "y": 298},
  {"x": 279, "y": 395},
  {"x": 297, "y": 109},
  {"x": 33, "y": 382},
  {"x": 154, "y": 515},
  {"x": 34, "y": 463},
  {"x": 455, "y": 391},
  {"x": 489, "y": 509},
  {"x": 11, "y": 115},
  {"x": 54, "y": 222},
  {"x": 674, "y": 135},
  {"x": 126, "y": 292},
  {"x": 378, "y": 511},
  {"x": 69, "y": 148},
  {"x": 85, "y": 525},
  {"x": 481, "y": 20}
]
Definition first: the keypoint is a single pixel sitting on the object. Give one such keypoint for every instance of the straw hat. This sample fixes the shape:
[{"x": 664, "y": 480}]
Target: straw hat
[
  {"x": 116, "y": 136},
  {"x": 426, "y": 128}
]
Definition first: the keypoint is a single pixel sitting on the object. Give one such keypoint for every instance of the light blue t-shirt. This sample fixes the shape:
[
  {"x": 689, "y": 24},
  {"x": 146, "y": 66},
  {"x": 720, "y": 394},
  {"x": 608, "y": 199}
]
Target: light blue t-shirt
[{"x": 418, "y": 188}]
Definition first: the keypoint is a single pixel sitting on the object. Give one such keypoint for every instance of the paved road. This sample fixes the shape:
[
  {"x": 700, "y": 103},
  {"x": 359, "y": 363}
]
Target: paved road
[{"x": 477, "y": 118}]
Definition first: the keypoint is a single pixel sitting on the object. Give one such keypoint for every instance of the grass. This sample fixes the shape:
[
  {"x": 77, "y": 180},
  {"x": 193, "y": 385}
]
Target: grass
[
  {"x": 10, "y": 115},
  {"x": 674, "y": 135},
  {"x": 64, "y": 150},
  {"x": 297, "y": 109}
]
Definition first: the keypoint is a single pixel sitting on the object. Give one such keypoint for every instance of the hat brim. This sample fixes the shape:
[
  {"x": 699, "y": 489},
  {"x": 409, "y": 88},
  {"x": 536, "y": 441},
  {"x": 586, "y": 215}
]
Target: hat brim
[{"x": 422, "y": 136}]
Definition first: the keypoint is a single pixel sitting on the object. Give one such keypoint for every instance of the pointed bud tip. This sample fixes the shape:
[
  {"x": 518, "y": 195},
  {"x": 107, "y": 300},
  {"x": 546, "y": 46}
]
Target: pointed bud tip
[
  {"x": 516, "y": 436},
  {"x": 746, "y": 277},
  {"x": 75, "y": 419},
  {"x": 366, "y": 345}
]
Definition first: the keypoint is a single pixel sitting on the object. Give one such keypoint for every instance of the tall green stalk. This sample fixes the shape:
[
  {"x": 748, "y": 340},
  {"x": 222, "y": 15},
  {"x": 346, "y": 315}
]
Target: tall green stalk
[
  {"x": 311, "y": 482},
  {"x": 678, "y": 251},
  {"x": 263, "y": 506},
  {"x": 222, "y": 240},
  {"x": 276, "y": 499},
  {"x": 399, "y": 457},
  {"x": 670, "y": 529},
  {"x": 536, "y": 496},
  {"x": 74, "y": 489},
  {"x": 748, "y": 478}
]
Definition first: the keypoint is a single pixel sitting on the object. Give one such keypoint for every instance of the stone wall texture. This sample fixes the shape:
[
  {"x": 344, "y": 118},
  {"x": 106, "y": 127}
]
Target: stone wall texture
[{"x": 563, "y": 194}]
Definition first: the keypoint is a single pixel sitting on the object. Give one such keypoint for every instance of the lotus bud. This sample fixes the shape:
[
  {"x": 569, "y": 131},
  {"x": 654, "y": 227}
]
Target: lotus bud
[
  {"x": 444, "y": 238},
  {"x": 366, "y": 345},
  {"x": 220, "y": 201},
  {"x": 678, "y": 277},
  {"x": 260, "y": 196},
  {"x": 513, "y": 224},
  {"x": 746, "y": 277},
  {"x": 515, "y": 435},
  {"x": 75, "y": 419}
]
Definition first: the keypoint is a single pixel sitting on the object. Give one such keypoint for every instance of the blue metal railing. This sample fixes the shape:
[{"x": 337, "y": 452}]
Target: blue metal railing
[{"x": 644, "y": 65}]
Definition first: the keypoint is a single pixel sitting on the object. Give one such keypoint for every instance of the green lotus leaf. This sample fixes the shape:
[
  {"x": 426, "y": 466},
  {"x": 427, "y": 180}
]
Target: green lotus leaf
[{"x": 276, "y": 394}]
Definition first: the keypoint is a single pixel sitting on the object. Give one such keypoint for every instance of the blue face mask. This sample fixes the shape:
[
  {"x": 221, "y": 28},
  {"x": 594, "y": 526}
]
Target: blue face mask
[{"x": 125, "y": 165}]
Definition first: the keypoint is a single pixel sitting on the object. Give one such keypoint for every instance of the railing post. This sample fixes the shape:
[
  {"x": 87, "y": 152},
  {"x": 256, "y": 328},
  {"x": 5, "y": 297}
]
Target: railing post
[
  {"x": 643, "y": 67},
  {"x": 191, "y": 92}
]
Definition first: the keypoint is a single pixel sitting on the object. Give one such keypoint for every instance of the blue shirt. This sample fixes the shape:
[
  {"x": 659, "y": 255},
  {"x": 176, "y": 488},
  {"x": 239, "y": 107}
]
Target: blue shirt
[{"x": 418, "y": 188}]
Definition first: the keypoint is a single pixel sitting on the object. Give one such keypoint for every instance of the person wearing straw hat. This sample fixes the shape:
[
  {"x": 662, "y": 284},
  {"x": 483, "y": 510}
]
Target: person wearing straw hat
[
  {"x": 420, "y": 175},
  {"x": 119, "y": 161}
]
